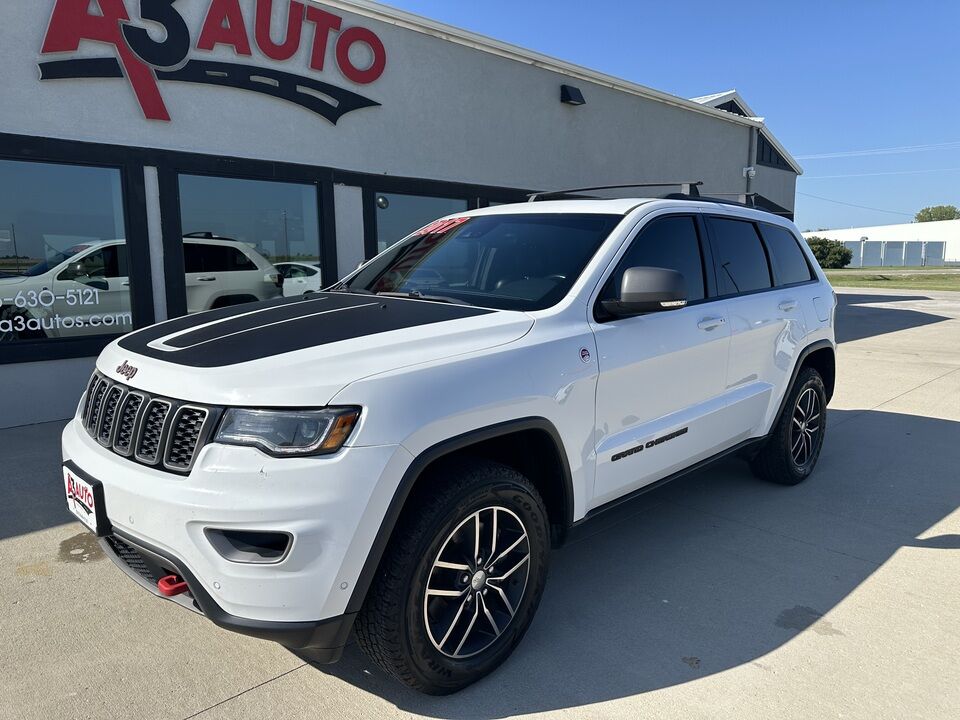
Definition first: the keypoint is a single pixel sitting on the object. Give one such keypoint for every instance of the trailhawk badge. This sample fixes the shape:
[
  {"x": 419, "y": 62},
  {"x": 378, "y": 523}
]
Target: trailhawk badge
[{"x": 144, "y": 60}]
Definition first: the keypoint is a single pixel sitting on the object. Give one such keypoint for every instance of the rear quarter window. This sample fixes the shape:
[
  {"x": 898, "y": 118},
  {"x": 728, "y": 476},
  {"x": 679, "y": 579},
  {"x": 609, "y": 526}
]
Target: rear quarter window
[
  {"x": 199, "y": 257},
  {"x": 789, "y": 263}
]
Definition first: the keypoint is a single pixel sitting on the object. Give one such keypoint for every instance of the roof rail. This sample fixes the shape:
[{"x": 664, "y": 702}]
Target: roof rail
[
  {"x": 747, "y": 199},
  {"x": 754, "y": 201},
  {"x": 687, "y": 188}
]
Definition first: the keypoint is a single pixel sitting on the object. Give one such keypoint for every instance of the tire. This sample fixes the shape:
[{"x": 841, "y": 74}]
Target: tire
[
  {"x": 791, "y": 452},
  {"x": 433, "y": 643}
]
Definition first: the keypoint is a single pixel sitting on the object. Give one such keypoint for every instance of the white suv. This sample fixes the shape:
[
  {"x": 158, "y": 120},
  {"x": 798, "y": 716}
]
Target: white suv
[
  {"x": 399, "y": 454},
  {"x": 85, "y": 290}
]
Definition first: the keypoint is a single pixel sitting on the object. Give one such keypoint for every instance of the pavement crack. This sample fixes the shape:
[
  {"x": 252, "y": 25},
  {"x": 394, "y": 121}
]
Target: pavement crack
[{"x": 244, "y": 692}]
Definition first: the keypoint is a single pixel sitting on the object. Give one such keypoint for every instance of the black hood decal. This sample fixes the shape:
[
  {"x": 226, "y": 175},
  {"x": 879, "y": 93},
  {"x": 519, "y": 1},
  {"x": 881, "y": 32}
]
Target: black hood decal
[{"x": 254, "y": 331}]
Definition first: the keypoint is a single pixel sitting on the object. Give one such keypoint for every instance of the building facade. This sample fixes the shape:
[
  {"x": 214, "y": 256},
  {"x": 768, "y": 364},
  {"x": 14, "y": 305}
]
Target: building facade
[
  {"x": 160, "y": 158},
  {"x": 927, "y": 244}
]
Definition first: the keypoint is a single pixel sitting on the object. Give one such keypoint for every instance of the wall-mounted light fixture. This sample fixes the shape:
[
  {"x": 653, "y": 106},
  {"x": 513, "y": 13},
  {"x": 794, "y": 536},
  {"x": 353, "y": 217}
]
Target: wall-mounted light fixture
[{"x": 570, "y": 95}]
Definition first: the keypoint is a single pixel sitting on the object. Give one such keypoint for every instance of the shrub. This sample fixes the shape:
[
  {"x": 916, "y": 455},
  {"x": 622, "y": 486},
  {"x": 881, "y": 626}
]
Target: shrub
[{"x": 831, "y": 254}]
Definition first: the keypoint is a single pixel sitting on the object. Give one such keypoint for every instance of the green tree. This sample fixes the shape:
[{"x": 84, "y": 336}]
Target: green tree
[
  {"x": 831, "y": 254},
  {"x": 938, "y": 212}
]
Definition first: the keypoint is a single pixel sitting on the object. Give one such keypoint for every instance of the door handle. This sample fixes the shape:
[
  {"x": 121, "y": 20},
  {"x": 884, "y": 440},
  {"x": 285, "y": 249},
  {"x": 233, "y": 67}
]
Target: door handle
[
  {"x": 206, "y": 279},
  {"x": 125, "y": 283},
  {"x": 711, "y": 323},
  {"x": 788, "y": 305}
]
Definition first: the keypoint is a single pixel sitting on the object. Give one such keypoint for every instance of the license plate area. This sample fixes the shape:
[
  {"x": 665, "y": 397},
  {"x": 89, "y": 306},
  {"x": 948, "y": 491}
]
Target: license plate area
[{"x": 85, "y": 499}]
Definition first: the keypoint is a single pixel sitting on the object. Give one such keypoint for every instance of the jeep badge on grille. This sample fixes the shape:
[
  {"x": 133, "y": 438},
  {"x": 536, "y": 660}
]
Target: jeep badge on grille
[{"x": 127, "y": 370}]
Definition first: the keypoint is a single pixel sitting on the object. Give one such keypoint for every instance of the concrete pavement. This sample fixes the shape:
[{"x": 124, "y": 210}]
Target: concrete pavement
[{"x": 717, "y": 596}]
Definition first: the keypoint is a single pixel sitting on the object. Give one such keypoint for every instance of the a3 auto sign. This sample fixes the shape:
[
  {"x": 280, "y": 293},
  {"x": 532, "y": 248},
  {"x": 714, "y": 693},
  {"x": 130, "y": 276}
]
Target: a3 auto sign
[{"x": 144, "y": 60}]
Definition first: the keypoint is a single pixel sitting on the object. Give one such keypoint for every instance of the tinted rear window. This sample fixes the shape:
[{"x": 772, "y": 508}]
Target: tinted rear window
[
  {"x": 789, "y": 264},
  {"x": 741, "y": 263}
]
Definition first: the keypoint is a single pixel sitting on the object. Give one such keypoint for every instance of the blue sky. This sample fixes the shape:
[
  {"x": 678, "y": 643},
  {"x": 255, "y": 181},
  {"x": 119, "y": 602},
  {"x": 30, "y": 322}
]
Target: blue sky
[{"x": 829, "y": 77}]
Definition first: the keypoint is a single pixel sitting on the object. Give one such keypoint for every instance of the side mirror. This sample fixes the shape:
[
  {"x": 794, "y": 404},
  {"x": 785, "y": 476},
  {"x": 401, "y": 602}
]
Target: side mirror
[
  {"x": 648, "y": 289},
  {"x": 72, "y": 272}
]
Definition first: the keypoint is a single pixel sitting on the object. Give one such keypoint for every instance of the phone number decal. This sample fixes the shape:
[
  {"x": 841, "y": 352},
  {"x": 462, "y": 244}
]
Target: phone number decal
[{"x": 47, "y": 299}]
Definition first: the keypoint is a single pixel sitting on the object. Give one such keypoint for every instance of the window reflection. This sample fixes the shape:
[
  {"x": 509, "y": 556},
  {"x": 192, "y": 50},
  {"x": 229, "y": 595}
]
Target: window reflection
[
  {"x": 399, "y": 215},
  {"x": 236, "y": 233},
  {"x": 63, "y": 255}
]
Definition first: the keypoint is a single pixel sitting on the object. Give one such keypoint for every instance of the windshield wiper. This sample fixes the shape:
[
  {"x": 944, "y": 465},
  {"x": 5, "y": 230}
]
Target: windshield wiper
[{"x": 417, "y": 295}]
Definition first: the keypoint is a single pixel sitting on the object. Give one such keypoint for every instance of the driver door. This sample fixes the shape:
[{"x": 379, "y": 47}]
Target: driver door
[{"x": 662, "y": 374}]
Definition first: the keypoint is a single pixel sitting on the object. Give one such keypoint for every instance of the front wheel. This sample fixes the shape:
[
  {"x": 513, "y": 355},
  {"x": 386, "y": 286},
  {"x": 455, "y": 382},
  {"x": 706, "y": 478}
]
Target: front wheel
[
  {"x": 460, "y": 583},
  {"x": 793, "y": 448}
]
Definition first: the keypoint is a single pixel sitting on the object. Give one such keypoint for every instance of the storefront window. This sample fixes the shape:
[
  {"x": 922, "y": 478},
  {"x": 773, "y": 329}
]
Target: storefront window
[
  {"x": 63, "y": 255},
  {"x": 399, "y": 215},
  {"x": 237, "y": 232}
]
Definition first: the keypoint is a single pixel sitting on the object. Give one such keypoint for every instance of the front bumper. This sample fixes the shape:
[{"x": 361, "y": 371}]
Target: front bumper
[
  {"x": 145, "y": 565},
  {"x": 331, "y": 507}
]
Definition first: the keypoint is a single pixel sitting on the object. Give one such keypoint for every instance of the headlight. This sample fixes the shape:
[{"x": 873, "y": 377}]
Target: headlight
[{"x": 288, "y": 432}]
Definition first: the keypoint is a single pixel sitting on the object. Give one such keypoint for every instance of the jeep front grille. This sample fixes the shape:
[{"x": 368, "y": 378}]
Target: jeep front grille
[
  {"x": 184, "y": 436},
  {"x": 155, "y": 431}
]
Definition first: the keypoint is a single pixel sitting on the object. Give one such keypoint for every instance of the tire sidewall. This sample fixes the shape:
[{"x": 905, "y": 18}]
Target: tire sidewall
[
  {"x": 431, "y": 665},
  {"x": 808, "y": 379}
]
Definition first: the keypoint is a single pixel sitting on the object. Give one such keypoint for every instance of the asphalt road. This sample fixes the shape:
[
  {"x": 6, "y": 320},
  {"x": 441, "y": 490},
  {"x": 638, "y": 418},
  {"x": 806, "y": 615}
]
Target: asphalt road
[{"x": 717, "y": 596}]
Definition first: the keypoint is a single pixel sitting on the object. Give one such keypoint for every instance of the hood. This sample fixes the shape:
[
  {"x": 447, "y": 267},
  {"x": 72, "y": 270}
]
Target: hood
[
  {"x": 14, "y": 280},
  {"x": 299, "y": 351}
]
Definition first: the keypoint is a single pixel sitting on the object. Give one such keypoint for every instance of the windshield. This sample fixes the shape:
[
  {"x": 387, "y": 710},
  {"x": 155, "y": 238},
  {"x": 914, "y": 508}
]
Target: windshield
[
  {"x": 51, "y": 262},
  {"x": 508, "y": 262}
]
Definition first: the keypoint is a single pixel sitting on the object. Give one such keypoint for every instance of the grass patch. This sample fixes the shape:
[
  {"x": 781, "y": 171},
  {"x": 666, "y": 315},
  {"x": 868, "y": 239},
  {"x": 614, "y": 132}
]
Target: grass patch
[{"x": 921, "y": 279}]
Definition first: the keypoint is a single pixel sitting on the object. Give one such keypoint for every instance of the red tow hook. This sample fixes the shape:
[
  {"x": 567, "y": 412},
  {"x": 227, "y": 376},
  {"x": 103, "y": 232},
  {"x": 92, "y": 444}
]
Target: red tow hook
[{"x": 171, "y": 585}]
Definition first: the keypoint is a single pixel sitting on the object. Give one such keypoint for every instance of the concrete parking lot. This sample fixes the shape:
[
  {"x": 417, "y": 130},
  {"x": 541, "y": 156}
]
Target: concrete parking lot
[{"x": 716, "y": 596}]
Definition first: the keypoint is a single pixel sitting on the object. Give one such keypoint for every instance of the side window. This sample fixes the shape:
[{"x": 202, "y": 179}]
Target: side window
[
  {"x": 789, "y": 263},
  {"x": 114, "y": 261},
  {"x": 239, "y": 261},
  {"x": 741, "y": 263},
  {"x": 108, "y": 262},
  {"x": 199, "y": 257},
  {"x": 122, "y": 267},
  {"x": 670, "y": 242},
  {"x": 193, "y": 257}
]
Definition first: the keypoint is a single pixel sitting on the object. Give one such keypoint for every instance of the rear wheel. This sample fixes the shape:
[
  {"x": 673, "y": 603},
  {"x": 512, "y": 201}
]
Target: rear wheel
[
  {"x": 461, "y": 581},
  {"x": 793, "y": 448}
]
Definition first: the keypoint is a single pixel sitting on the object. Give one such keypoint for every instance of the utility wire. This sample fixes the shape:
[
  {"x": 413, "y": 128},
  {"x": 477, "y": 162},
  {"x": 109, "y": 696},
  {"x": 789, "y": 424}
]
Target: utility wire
[
  {"x": 862, "y": 207},
  {"x": 881, "y": 151},
  {"x": 875, "y": 174}
]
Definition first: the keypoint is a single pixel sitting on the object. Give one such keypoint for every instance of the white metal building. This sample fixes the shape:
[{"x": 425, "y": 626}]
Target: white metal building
[{"x": 909, "y": 244}]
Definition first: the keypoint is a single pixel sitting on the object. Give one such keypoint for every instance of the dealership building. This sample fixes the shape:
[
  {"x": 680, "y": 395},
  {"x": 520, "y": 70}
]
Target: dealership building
[{"x": 162, "y": 158}]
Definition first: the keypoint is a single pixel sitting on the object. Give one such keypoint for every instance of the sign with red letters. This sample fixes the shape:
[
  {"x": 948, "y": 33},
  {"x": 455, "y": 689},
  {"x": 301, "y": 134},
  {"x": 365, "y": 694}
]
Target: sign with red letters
[{"x": 145, "y": 62}]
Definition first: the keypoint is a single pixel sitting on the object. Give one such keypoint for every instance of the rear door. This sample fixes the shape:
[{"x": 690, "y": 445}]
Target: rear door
[
  {"x": 662, "y": 374},
  {"x": 766, "y": 321},
  {"x": 796, "y": 287},
  {"x": 220, "y": 275}
]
